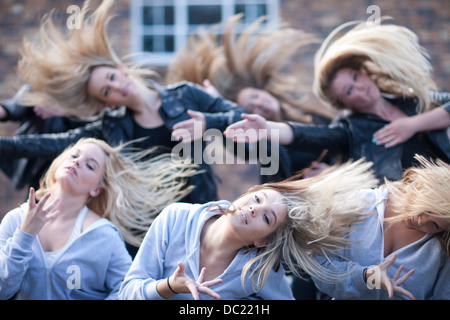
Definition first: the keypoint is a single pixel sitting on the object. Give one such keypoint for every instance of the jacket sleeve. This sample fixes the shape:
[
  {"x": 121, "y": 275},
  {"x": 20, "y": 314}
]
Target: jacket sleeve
[
  {"x": 442, "y": 98},
  {"x": 16, "y": 112},
  {"x": 15, "y": 253},
  {"x": 47, "y": 145},
  {"x": 316, "y": 138}
]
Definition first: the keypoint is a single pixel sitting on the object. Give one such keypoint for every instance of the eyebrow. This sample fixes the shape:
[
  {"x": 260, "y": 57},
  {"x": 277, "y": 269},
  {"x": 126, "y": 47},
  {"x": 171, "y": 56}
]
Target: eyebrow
[{"x": 271, "y": 210}]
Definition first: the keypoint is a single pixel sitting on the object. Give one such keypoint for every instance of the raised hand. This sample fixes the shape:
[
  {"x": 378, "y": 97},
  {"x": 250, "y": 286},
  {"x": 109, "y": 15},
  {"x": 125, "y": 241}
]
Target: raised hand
[
  {"x": 37, "y": 216},
  {"x": 191, "y": 129},
  {"x": 252, "y": 129},
  {"x": 392, "y": 284},
  {"x": 180, "y": 282},
  {"x": 396, "y": 132}
]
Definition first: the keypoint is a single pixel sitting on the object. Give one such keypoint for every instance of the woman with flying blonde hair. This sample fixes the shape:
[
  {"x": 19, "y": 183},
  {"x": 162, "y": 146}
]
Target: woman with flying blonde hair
[
  {"x": 58, "y": 66},
  {"x": 409, "y": 228},
  {"x": 368, "y": 71},
  {"x": 80, "y": 73},
  {"x": 70, "y": 244},
  {"x": 136, "y": 186},
  {"x": 241, "y": 248},
  {"x": 262, "y": 68}
]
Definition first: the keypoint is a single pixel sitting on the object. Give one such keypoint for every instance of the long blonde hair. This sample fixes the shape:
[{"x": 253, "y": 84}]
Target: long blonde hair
[
  {"x": 391, "y": 55},
  {"x": 424, "y": 189},
  {"x": 321, "y": 211},
  {"x": 134, "y": 188},
  {"x": 58, "y": 65},
  {"x": 257, "y": 58}
]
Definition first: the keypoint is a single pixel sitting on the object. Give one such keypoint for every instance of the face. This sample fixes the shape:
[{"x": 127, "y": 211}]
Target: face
[
  {"x": 81, "y": 172},
  {"x": 110, "y": 86},
  {"x": 428, "y": 224},
  {"x": 354, "y": 89},
  {"x": 257, "y": 215},
  {"x": 260, "y": 102}
]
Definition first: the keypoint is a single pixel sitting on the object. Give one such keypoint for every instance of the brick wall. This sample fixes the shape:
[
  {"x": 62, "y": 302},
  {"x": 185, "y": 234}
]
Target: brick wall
[{"x": 430, "y": 19}]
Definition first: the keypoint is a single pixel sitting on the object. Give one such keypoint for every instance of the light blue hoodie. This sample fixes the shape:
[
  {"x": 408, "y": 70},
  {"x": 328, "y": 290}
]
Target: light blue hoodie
[
  {"x": 91, "y": 265},
  {"x": 431, "y": 279},
  {"x": 175, "y": 236}
]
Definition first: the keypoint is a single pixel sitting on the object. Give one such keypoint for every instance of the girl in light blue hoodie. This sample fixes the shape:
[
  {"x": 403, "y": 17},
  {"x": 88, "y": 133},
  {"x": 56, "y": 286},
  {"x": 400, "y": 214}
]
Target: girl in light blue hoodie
[
  {"x": 237, "y": 250},
  {"x": 65, "y": 246}
]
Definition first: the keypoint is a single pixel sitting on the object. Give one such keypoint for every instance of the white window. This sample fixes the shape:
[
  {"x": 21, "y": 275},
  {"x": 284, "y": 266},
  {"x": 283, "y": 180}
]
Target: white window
[{"x": 159, "y": 27}]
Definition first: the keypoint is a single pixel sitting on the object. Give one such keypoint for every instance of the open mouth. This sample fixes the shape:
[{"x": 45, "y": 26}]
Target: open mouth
[
  {"x": 243, "y": 217},
  {"x": 72, "y": 170}
]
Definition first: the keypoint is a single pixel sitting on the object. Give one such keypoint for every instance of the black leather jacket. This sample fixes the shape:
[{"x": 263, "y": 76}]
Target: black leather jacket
[
  {"x": 117, "y": 126},
  {"x": 351, "y": 138},
  {"x": 28, "y": 171}
]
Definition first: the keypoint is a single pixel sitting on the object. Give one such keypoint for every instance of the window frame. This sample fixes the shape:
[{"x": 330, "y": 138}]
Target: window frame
[{"x": 181, "y": 28}]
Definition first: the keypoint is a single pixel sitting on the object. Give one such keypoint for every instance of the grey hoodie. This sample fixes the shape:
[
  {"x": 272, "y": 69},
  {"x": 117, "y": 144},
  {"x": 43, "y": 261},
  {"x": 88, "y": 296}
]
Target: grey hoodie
[
  {"x": 175, "y": 236},
  {"x": 91, "y": 265}
]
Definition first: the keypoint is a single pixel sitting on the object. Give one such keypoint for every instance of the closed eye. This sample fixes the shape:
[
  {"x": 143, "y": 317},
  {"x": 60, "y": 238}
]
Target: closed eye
[
  {"x": 349, "y": 90},
  {"x": 266, "y": 218}
]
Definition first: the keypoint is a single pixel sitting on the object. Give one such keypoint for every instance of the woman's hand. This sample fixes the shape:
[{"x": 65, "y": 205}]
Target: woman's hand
[
  {"x": 392, "y": 285},
  {"x": 396, "y": 132},
  {"x": 37, "y": 216},
  {"x": 191, "y": 129},
  {"x": 252, "y": 129},
  {"x": 180, "y": 282}
]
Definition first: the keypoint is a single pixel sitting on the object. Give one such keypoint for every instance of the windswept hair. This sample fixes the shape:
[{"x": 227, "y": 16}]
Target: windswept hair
[
  {"x": 58, "y": 64},
  {"x": 389, "y": 54},
  {"x": 258, "y": 58},
  {"x": 424, "y": 189},
  {"x": 321, "y": 212},
  {"x": 135, "y": 188}
]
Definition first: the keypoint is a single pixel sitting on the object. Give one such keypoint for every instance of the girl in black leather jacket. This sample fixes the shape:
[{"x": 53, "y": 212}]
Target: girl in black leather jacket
[
  {"x": 350, "y": 75},
  {"x": 81, "y": 74}
]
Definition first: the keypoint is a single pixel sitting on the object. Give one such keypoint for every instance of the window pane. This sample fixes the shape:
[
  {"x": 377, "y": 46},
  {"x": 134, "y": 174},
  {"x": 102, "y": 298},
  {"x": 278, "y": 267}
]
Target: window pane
[
  {"x": 208, "y": 14},
  {"x": 157, "y": 15},
  {"x": 165, "y": 43},
  {"x": 251, "y": 11},
  {"x": 147, "y": 15},
  {"x": 147, "y": 43},
  {"x": 169, "y": 15}
]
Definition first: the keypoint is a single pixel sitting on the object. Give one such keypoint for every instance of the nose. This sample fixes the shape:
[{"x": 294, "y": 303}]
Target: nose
[
  {"x": 358, "y": 86},
  {"x": 252, "y": 210},
  {"x": 76, "y": 162},
  {"x": 114, "y": 85}
]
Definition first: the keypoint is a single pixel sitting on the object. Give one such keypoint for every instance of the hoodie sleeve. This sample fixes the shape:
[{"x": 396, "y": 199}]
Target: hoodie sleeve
[
  {"x": 15, "y": 253},
  {"x": 350, "y": 281},
  {"x": 119, "y": 265},
  {"x": 276, "y": 287},
  {"x": 148, "y": 266}
]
